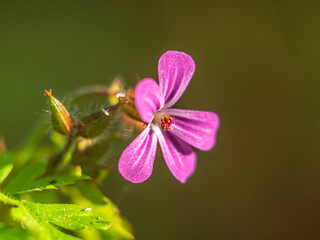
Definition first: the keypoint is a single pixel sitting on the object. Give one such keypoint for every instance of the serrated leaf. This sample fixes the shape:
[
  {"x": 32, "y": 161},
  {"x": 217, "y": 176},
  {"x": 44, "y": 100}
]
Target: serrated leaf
[
  {"x": 39, "y": 218},
  {"x": 25, "y": 180},
  {"x": 70, "y": 216},
  {"x": 6, "y": 164},
  {"x": 37, "y": 226},
  {"x": 26, "y": 175},
  {"x": 13, "y": 233},
  {"x": 87, "y": 194}
]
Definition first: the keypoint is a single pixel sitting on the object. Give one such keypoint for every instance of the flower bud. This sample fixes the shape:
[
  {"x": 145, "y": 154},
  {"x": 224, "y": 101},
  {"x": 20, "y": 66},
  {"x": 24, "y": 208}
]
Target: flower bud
[
  {"x": 95, "y": 123},
  {"x": 130, "y": 114},
  {"x": 128, "y": 105},
  {"x": 61, "y": 119},
  {"x": 115, "y": 91}
]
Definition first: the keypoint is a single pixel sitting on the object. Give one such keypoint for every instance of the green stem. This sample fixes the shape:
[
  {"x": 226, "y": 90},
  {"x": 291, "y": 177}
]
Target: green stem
[
  {"x": 55, "y": 160},
  {"x": 7, "y": 200}
]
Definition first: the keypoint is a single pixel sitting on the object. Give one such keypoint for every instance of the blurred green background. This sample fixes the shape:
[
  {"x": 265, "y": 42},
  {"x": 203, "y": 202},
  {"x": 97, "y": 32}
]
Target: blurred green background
[{"x": 257, "y": 66}]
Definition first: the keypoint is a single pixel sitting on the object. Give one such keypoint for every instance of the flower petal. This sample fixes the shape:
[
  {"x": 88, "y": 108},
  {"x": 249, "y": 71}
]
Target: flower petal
[
  {"x": 179, "y": 156},
  {"x": 197, "y": 128},
  {"x": 148, "y": 98},
  {"x": 175, "y": 71},
  {"x": 136, "y": 161}
]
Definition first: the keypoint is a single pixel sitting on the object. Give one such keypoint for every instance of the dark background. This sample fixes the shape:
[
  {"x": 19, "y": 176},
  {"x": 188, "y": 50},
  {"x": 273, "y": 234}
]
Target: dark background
[{"x": 257, "y": 66}]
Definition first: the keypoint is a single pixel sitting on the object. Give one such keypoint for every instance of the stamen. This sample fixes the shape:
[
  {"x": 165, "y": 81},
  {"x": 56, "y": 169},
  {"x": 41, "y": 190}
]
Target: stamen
[{"x": 166, "y": 122}]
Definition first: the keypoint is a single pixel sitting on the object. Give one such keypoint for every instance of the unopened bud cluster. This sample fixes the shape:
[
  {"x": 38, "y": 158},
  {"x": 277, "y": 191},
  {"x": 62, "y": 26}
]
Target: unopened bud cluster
[
  {"x": 90, "y": 137},
  {"x": 89, "y": 126},
  {"x": 94, "y": 124}
]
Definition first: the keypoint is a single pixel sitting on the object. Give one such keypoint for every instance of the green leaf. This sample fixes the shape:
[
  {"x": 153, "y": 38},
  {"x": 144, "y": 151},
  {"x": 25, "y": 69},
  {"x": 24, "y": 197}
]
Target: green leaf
[
  {"x": 13, "y": 233},
  {"x": 25, "y": 180},
  {"x": 25, "y": 176},
  {"x": 68, "y": 216},
  {"x": 87, "y": 194},
  {"x": 6, "y": 164},
  {"x": 39, "y": 218},
  {"x": 44, "y": 220}
]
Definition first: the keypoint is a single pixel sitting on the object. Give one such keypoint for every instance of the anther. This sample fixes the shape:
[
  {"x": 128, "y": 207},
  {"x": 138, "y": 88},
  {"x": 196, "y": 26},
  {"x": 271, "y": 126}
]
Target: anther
[{"x": 166, "y": 122}]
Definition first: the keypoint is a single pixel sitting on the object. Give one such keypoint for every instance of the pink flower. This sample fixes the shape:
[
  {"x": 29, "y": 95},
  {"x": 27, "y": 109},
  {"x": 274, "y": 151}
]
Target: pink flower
[{"x": 176, "y": 130}]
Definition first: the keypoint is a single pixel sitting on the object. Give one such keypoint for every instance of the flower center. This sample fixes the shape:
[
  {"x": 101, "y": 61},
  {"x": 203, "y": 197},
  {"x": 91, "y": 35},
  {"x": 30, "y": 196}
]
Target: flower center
[{"x": 166, "y": 122}]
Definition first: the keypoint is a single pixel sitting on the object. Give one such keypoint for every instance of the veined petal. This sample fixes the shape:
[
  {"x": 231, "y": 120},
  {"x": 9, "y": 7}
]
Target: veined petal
[
  {"x": 179, "y": 156},
  {"x": 197, "y": 128},
  {"x": 175, "y": 71},
  {"x": 148, "y": 98},
  {"x": 136, "y": 161}
]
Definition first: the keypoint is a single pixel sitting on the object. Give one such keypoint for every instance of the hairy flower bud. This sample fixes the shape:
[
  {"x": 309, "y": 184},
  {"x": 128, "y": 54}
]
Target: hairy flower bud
[
  {"x": 129, "y": 114},
  {"x": 115, "y": 91},
  {"x": 95, "y": 123},
  {"x": 61, "y": 119}
]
